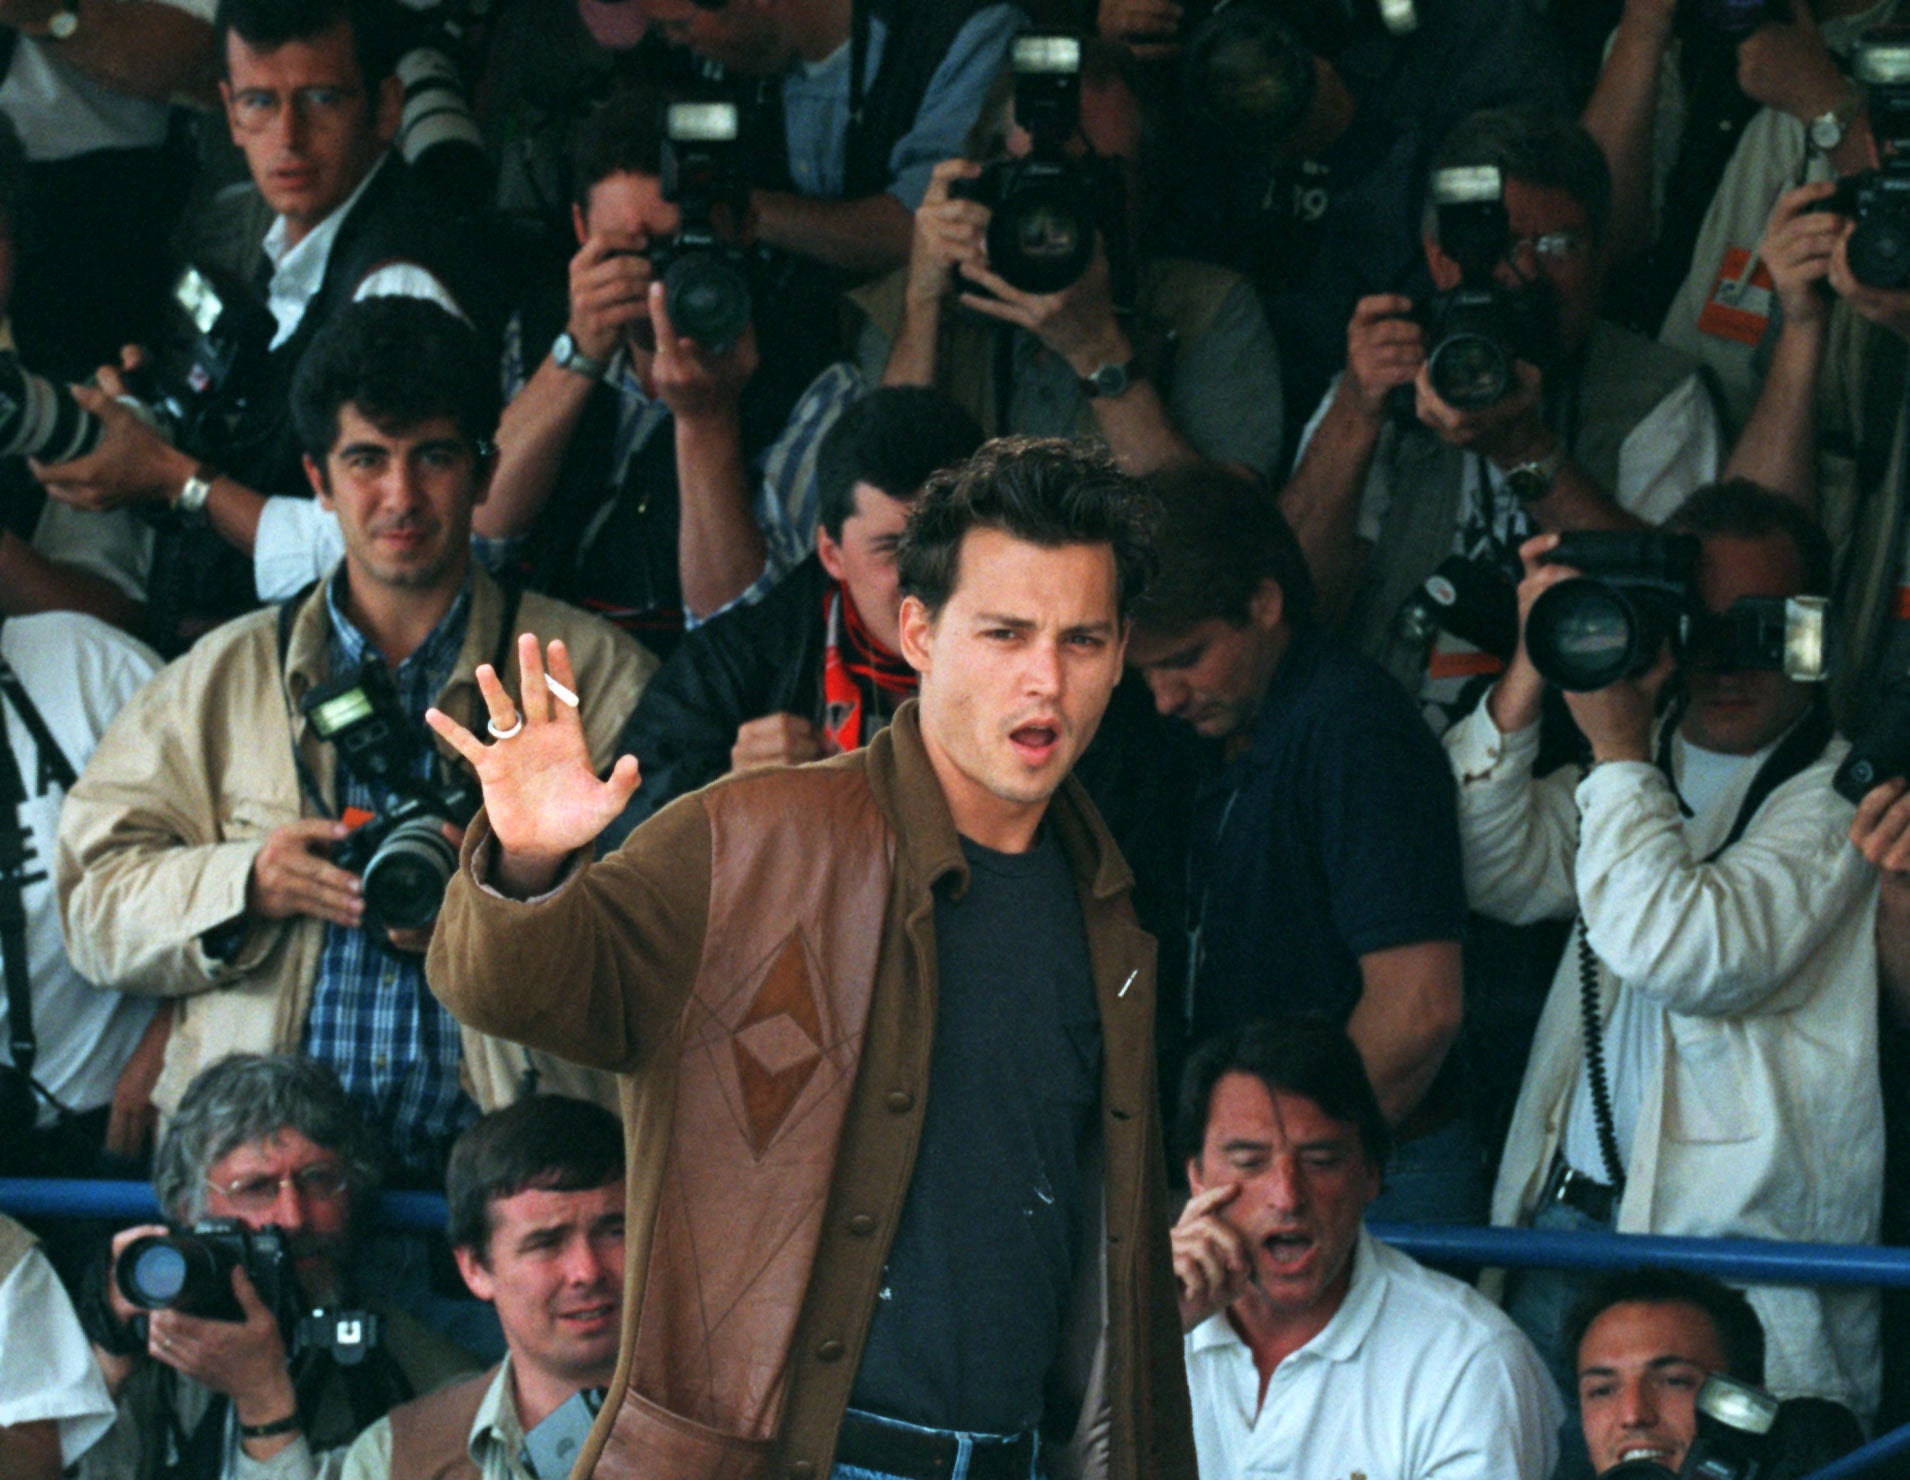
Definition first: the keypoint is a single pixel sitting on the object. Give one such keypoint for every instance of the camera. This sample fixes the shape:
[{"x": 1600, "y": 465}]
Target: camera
[
  {"x": 438, "y": 136},
  {"x": 1735, "y": 1439},
  {"x": 190, "y": 1271},
  {"x": 1045, "y": 208},
  {"x": 402, "y": 857},
  {"x": 1638, "y": 590},
  {"x": 1475, "y": 331},
  {"x": 1879, "y": 200},
  {"x": 705, "y": 279},
  {"x": 1882, "y": 749},
  {"x": 39, "y": 418},
  {"x": 212, "y": 350},
  {"x": 1469, "y": 598}
]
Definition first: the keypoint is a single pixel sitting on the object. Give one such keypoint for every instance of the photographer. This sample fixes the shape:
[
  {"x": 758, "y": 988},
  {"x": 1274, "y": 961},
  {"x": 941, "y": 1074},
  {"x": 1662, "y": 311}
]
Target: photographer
[
  {"x": 197, "y": 853},
  {"x": 1724, "y": 963},
  {"x": 536, "y": 1194},
  {"x": 1596, "y": 428},
  {"x": 865, "y": 95},
  {"x": 1301, "y": 133},
  {"x": 652, "y": 478},
  {"x": 312, "y": 102},
  {"x": 1812, "y": 126},
  {"x": 1164, "y": 360},
  {"x": 270, "y": 1143}
]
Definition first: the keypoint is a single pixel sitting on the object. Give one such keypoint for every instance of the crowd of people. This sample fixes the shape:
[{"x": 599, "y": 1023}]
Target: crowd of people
[{"x": 919, "y": 694}]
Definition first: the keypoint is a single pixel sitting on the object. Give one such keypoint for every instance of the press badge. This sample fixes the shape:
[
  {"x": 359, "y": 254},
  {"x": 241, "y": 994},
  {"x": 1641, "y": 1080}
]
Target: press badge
[{"x": 1738, "y": 307}]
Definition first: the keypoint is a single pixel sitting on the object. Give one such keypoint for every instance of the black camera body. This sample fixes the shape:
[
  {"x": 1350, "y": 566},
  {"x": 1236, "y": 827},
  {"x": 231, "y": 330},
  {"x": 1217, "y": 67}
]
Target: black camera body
[
  {"x": 1476, "y": 330},
  {"x": 402, "y": 857},
  {"x": 1879, "y": 200},
  {"x": 1469, "y": 598},
  {"x": 210, "y": 359},
  {"x": 1733, "y": 20},
  {"x": 1636, "y": 591},
  {"x": 1045, "y": 208},
  {"x": 1882, "y": 749},
  {"x": 190, "y": 1271},
  {"x": 706, "y": 279}
]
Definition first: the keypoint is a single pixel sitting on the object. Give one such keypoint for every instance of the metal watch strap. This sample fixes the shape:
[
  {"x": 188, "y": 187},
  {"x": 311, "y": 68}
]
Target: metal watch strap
[
  {"x": 566, "y": 355},
  {"x": 194, "y": 492}
]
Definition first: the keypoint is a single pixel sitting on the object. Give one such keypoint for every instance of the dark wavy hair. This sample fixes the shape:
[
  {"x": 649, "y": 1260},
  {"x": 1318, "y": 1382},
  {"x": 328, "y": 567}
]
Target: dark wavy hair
[
  {"x": 1301, "y": 1053},
  {"x": 400, "y": 361},
  {"x": 1740, "y": 1333},
  {"x": 549, "y": 1142},
  {"x": 1044, "y": 490}
]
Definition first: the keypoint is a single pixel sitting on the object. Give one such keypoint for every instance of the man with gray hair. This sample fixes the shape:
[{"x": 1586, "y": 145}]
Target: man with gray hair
[{"x": 262, "y": 1140}]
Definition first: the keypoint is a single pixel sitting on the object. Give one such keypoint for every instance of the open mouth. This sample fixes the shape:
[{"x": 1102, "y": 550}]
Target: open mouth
[
  {"x": 1036, "y": 742},
  {"x": 1644, "y": 1451},
  {"x": 1285, "y": 1250}
]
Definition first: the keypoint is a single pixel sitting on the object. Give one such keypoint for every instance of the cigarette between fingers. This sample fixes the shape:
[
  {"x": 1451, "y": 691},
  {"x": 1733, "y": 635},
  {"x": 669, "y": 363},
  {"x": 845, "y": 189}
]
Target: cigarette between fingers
[{"x": 560, "y": 691}]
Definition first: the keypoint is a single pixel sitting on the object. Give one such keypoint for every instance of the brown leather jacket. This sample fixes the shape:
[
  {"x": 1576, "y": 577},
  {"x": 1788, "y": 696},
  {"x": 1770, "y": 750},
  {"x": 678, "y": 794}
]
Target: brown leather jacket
[{"x": 775, "y": 1067}]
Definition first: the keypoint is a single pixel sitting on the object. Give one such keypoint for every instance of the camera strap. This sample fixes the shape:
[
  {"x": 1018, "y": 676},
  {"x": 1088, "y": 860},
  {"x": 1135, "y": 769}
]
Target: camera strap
[
  {"x": 1796, "y": 751},
  {"x": 54, "y": 769}
]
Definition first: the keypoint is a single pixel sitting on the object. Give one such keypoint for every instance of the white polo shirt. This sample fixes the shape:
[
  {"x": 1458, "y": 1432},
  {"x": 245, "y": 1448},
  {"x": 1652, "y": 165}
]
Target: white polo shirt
[{"x": 1416, "y": 1377}]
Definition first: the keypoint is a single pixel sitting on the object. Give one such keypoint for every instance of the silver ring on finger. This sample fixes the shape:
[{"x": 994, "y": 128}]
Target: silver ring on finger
[{"x": 517, "y": 723}]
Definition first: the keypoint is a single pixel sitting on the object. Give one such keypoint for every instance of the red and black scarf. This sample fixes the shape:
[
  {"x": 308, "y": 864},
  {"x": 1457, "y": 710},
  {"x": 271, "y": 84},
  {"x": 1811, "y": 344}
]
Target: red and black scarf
[{"x": 857, "y": 672}]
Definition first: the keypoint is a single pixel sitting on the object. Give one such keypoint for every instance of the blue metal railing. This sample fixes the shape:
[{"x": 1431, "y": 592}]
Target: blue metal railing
[{"x": 1763, "y": 1261}]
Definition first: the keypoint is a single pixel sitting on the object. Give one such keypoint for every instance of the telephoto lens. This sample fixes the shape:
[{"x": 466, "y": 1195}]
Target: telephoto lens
[
  {"x": 406, "y": 878},
  {"x": 40, "y": 419}
]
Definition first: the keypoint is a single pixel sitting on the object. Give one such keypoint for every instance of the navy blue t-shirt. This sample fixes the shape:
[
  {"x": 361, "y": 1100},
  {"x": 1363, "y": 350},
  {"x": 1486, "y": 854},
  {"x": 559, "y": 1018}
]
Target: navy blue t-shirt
[
  {"x": 1336, "y": 834},
  {"x": 978, "y": 1279}
]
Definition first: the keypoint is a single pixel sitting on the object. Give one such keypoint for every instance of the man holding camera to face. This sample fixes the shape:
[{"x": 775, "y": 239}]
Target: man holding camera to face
[
  {"x": 230, "y": 1339},
  {"x": 1501, "y": 407},
  {"x": 208, "y": 851},
  {"x": 1706, "y": 1062},
  {"x": 1032, "y": 297},
  {"x": 654, "y": 465}
]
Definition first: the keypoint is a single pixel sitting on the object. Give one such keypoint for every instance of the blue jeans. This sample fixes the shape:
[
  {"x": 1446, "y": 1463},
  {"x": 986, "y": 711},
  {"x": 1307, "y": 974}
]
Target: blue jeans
[{"x": 1036, "y": 1470}]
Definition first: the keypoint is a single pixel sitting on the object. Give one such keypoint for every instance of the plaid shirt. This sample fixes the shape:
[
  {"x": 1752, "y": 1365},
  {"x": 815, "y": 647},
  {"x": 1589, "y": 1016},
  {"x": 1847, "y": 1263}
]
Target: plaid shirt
[{"x": 373, "y": 1021}]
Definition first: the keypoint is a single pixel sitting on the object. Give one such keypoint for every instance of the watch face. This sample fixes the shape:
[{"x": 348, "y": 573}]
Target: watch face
[
  {"x": 62, "y": 24},
  {"x": 1826, "y": 131},
  {"x": 1110, "y": 380}
]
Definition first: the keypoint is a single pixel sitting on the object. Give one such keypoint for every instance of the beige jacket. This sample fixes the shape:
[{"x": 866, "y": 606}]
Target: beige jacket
[{"x": 158, "y": 837}]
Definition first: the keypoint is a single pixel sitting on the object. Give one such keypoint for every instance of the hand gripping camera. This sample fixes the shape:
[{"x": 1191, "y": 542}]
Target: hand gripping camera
[
  {"x": 705, "y": 278},
  {"x": 1475, "y": 331},
  {"x": 190, "y": 1271},
  {"x": 1638, "y": 591},
  {"x": 401, "y": 855},
  {"x": 1045, "y": 208},
  {"x": 1879, "y": 199}
]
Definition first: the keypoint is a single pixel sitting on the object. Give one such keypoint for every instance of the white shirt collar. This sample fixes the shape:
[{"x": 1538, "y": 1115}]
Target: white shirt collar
[{"x": 297, "y": 271}]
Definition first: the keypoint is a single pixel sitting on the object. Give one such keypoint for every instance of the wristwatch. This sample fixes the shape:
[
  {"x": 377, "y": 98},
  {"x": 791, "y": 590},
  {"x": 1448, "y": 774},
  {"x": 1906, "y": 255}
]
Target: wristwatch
[
  {"x": 194, "y": 492},
  {"x": 566, "y": 356},
  {"x": 1827, "y": 130},
  {"x": 1110, "y": 380},
  {"x": 61, "y": 25},
  {"x": 1531, "y": 481}
]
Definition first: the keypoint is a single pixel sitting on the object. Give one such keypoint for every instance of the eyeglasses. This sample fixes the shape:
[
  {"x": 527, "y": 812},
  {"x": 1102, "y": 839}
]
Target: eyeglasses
[
  {"x": 255, "y": 109},
  {"x": 1554, "y": 246},
  {"x": 321, "y": 1182}
]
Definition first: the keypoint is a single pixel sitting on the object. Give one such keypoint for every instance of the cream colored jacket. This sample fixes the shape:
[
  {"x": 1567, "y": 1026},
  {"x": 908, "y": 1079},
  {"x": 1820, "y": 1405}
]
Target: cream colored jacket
[{"x": 157, "y": 839}]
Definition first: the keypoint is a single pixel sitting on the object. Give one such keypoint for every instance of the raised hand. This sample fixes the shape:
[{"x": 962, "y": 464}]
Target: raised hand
[
  {"x": 543, "y": 798},
  {"x": 1212, "y": 1264}
]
